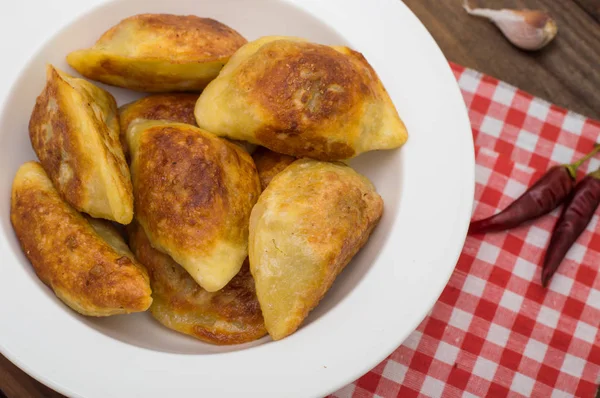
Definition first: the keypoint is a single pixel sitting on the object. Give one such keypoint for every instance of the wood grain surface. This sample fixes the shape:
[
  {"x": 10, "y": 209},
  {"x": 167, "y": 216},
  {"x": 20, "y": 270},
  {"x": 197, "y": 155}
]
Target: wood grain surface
[
  {"x": 592, "y": 7},
  {"x": 14, "y": 383},
  {"x": 566, "y": 73}
]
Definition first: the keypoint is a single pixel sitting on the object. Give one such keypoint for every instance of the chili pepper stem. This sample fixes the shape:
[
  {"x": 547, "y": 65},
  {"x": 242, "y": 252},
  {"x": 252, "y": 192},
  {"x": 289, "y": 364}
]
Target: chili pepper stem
[
  {"x": 595, "y": 174},
  {"x": 572, "y": 168}
]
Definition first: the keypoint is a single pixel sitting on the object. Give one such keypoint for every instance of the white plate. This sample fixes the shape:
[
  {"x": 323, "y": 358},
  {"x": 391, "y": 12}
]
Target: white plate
[{"x": 375, "y": 303}]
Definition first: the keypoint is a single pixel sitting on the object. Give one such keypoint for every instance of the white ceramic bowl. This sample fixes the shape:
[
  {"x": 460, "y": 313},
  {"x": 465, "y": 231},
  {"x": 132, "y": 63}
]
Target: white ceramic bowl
[{"x": 375, "y": 303}]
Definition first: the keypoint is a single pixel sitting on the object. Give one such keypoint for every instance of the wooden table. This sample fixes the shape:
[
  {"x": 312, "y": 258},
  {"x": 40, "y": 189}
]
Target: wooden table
[{"x": 567, "y": 73}]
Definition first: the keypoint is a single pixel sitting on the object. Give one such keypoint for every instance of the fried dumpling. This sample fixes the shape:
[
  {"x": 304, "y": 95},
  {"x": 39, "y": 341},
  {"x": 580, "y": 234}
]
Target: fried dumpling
[
  {"x": 159, "y": 53},
  {"x": 269, "y": 164},
  {"x": 301, "y": 99},
  {"x": 230, "y": 316},
  {"x": 306, "y": 226},
  {"x": 172, "y": 107},
  {"x": 84, "y": 260},
  {"x": 74, "y": 130},
  {"x": 193, "y": 194}
]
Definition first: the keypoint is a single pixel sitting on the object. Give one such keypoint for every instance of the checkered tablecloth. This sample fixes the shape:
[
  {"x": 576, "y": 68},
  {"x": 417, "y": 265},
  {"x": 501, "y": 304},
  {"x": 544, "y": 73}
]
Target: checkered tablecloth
[{"x": 494, "y": 331}]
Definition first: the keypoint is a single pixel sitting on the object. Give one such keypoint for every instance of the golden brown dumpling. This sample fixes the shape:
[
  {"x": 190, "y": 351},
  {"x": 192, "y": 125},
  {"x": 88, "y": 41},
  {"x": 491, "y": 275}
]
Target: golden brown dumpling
[
  {"x": 172, "y": 107},
  {"x": 74, "y": 131},
  {"x": 85, "y": 261},
  {"x": 193, "y": 195},
  {"x": 230, "y": 316},
  {"x": 269, "y": 164},
  {"x": 159, "y": 53},
  {"x": 301, "y": 99},
  {"x": 306, "y": 226}
]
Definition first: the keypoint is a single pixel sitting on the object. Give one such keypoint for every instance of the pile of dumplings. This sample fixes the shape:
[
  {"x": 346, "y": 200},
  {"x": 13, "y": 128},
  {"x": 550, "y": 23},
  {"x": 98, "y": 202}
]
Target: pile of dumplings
[{"x": 219, "y": 203}]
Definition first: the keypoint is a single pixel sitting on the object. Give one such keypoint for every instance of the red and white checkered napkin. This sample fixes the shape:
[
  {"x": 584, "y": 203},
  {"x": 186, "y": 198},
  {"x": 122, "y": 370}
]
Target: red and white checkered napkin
[{"x": 494, "y": 331}]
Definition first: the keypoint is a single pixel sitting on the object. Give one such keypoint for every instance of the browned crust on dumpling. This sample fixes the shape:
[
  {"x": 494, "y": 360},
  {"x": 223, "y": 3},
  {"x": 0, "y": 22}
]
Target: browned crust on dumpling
[
  {"x": 51, "y": 151},
  {"x": 193, "y": 195},
  {"x": 304, "y": 87},
  {"x": 305, "y": 228},
  {"x": 173, "y": 107},
  {"x": 179, "y": 166},
  {"x": 301, "y": 99},
  {"x": 159, "y": 53},
  {"x": 314, "y": 75},
  {"x": 184, "y": 38},
  {"x": 74, "y": 131},
  {"x": 269, "y": 164},
  {"x": 230, "y": 316},
  {"x": 68, "y": 255}
]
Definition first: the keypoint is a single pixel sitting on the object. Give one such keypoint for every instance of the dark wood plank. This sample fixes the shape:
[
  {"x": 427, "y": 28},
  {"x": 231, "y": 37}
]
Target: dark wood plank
[
  {"x": 14, "y": 383},
  {"x": 592, "y": 7},
  {"x": 565, "y": 73}
]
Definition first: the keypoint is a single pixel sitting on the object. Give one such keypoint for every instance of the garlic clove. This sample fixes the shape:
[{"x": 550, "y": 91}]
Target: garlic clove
[{"x": 526, "y": 29}]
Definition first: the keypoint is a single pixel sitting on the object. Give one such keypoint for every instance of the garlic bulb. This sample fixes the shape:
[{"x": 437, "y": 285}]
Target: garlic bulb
[{"x": 526, "y": 29}]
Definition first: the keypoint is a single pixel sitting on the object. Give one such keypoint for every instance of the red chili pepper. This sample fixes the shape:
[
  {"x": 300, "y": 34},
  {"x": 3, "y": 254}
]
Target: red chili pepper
[
  {"x": 541, "y": 198},
  {"x": 576, "y": 215}
]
